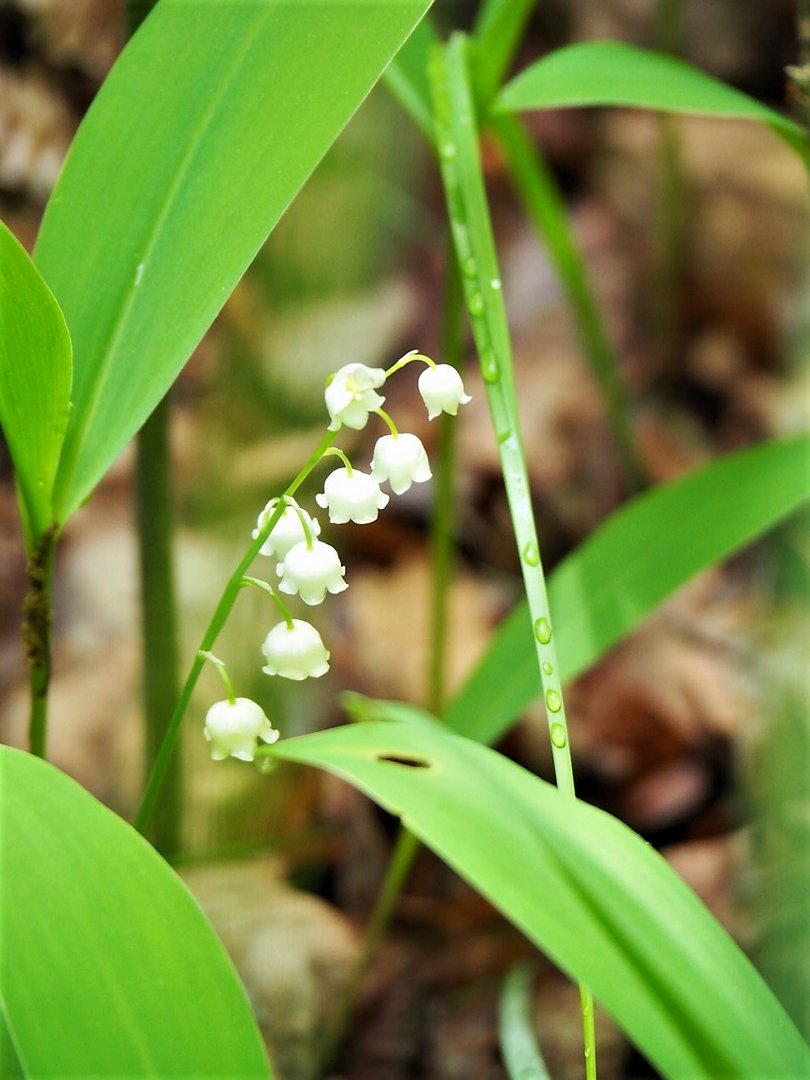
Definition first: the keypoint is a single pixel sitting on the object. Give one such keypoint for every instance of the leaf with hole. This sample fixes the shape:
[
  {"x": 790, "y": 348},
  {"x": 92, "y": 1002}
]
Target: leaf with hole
[{"x": 584, "y": 888}]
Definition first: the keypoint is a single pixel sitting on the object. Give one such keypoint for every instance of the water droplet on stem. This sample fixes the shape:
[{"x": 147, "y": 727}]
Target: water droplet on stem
[{"x": 542, "y": 631}]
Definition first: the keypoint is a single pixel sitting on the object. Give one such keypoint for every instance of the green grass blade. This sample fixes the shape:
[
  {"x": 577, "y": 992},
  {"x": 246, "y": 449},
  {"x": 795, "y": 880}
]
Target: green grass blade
[
  {"x": 207, "y": 126},
  {"x": 498, "y": 29},
  {"x": 109, "y": 966},
  {"x": 633, "y": 562},
  {"x": 614, "y": 73},
  {"x": 604, "y": 906},
  {"x": 519, "y": 1048},
  {"x": 406, "y": 77},
  {"x": 35, "y": 373}
]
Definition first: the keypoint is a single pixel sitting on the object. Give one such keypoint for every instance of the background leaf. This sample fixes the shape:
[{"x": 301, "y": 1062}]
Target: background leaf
[
  {"x": 583, "y": 887},
  {"x": 35, "y": 370},
  {"x": 637, "y": 558},
  {"x": 109, "y": 966},
  {"x": 205, "y": 129},
  {"x": 614, "y": 73}
]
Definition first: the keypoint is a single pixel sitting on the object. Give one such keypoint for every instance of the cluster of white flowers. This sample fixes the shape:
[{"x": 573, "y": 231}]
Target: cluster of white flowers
[{"x": 308, "y": 567}]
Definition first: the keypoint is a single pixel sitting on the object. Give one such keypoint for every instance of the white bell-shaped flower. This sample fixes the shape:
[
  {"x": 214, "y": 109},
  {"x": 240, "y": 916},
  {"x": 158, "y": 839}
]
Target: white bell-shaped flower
[
  {"x": 233, "y": 728},
  {"x": 295, "y": 652},
  {"x": 401, "y": 460},
  {"x": 311, "y": 572},
  {"x": 287, "y": 531},
  {"x": 351, "y": 395},
  {"x": 356, "y": 497},
  {"x": 442, "y": 390}
]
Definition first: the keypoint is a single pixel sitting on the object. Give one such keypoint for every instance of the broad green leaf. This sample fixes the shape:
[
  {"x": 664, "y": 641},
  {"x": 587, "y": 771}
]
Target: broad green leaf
[
  {"x": 614, "y": 73},
  {"x": 109, "y": 966},
  {"x": 207, "y": 126},
  {"x": 584, "y": 888},
  {"x": 633, "y": 562},
  {"x": 34, "y": 381}
]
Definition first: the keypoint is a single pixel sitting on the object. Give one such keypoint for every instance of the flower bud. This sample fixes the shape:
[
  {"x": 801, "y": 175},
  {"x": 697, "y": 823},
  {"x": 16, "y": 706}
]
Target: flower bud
[
  {"x": 287, "y": 531},
  {"x": 295, "y": 652},
  {"x": 311, "y": 572},
  {"x": 232, "y": 728},
  {"x": 350, "y": 395},
  {"x": 442, "y": 390},
  {"x": 351, "y": 498},
  {"x": 401, "y": 460}
]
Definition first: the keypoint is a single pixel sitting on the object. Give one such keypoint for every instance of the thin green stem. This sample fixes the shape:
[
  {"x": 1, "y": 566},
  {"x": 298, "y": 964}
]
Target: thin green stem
[
  {"x": 497, "y": 33},
  {"x": 546, "y": 209},
  {"x": 468, "y": 208},
  {"x": 399, "y": 867},
  {"x": 37, "y": 626},
  {"x": 302, "y": 517},
  {"x": 407, "y": 846},
  {"x": 339, "y": 454},
  {"x": 160, "y": 676},
  {"x": 221, "y": 613},
  {"x": 259, "y": 583},
  {"x": 223, "y": 674},
  {"x": 392, "y": 427}
]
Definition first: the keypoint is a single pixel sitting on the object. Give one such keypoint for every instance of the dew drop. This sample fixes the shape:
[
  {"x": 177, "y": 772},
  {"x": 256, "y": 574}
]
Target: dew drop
[
  {"x": 448, "y": 151},
  {"x": 476, "y": 304},
  {"x": 469, "y": 266},
  {"x": 542, "y": 631},
  {"x": 547, "y": 668},
  {"x": 504, "y": 436},
  {"x": 530, "y": 554},
  {"x": 489, "y": 368},
  {"x": 553, "y": 701},
  {"x": 558, "y": 735},
  {"x": 495, "y": 284}
]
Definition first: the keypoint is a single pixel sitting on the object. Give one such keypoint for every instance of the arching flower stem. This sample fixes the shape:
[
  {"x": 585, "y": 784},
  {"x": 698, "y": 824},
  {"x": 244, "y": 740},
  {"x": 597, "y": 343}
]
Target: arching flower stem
[
  {"x": 392, "y": 427},
  {"x": 258, "y": 583},
  {"x": 223, "y": 672},
  {"x": 408, "y": 358},
  {"x": 339, "y": 454}
]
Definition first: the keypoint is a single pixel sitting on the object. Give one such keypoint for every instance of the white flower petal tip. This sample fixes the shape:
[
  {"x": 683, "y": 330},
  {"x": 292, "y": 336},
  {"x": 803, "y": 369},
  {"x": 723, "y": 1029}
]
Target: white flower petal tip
[
  {"x": 351, "y": 395},
  {"x": 354, "y": 498},
  {"x": 442, "y": 390},
  {"x": 295, "y": 652},
  {"x": 287, "y": 531},
  {"x": 312, "y": 572},
  {"x": 233, "y": 728},
  {"x": 401, "y": 460}
]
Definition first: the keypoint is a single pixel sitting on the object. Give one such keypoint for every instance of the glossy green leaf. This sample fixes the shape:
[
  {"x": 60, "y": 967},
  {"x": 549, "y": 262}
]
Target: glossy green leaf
[
  {"x": 34, "y": 381},
  {"x": 614, "y": 73},
  {"x": 588, "y": 891},
  {"x": 109, "y": 966},
  {"x": 406, "y": 77},
  {"x": 633, "y": 562},
  {"x": 207, "y": 126}
]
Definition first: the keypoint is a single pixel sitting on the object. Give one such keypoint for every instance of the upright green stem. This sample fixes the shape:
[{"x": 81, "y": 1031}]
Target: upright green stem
[
  {"x": 457, "y": 137},
  {"x": 407, "y": 846},
  {"x": 498, "y": 30},
  {"x": 544, "y": 205},
  {"x": 160, "y": 678},
  {"x": 37, "y": 624},
  {"x": 221, "y": 613}
]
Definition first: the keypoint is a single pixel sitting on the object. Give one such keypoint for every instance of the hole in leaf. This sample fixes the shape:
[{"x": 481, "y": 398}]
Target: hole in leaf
[{"x": 409, "y": 762}]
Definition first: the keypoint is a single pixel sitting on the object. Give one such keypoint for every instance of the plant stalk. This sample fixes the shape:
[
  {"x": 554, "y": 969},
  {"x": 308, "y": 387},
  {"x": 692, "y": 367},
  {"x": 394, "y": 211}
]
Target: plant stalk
[
  {"x": 160, "y": 676},
  {"x": 37, "y": 627},
  {"x": 468, "y": 208},
  {"x": 407, "y": 846},
  {"x": 544, "y": 205},
  {"x": 218, "y": 619}
]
